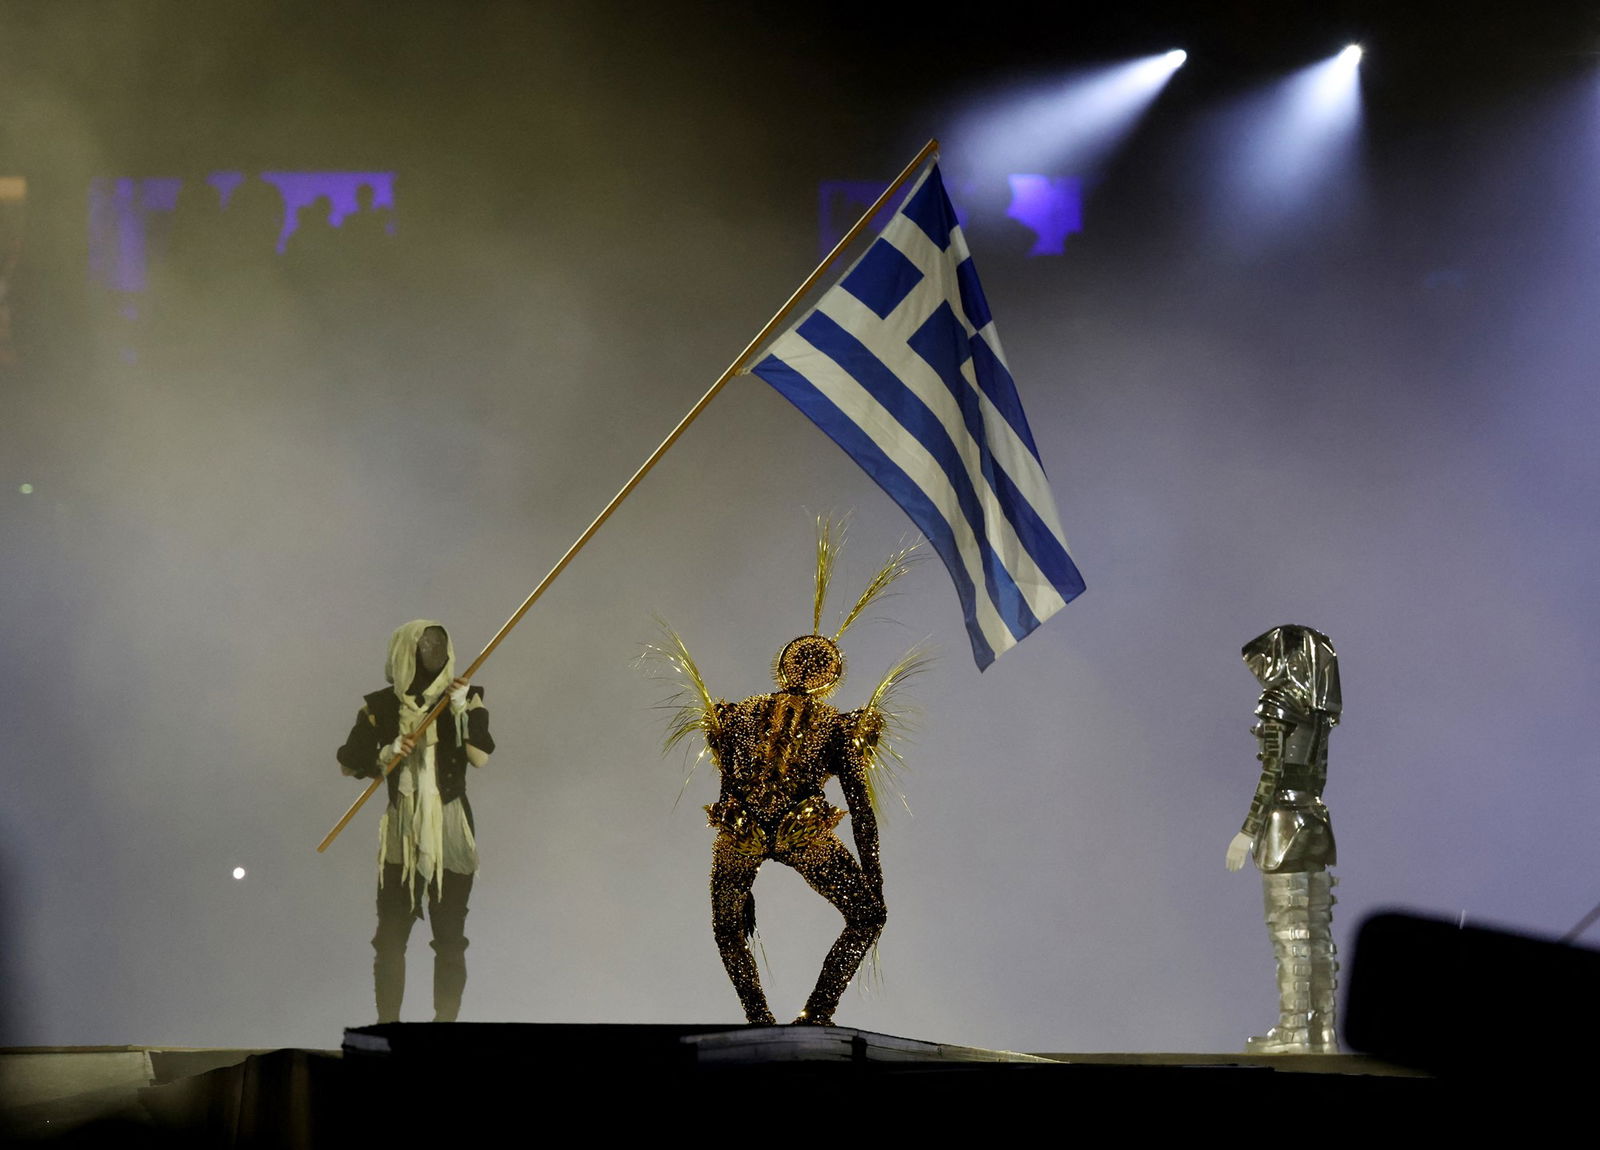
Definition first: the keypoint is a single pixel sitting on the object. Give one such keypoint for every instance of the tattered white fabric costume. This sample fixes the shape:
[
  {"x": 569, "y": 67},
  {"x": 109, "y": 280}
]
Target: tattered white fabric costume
[{"x": 418, "y": 832}]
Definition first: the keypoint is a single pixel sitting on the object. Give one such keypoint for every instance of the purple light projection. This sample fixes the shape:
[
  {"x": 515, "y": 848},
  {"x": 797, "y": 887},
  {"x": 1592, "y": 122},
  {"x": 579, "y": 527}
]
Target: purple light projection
[
  {"x": 129, "y": 222},
  {"x": 342, "y": 189},
  {"x": 1049, "y": 206},
  {"x": 225, "y": 183},
  {"x": 123, "y": 240},
  {"x": 120, "y": 232}
]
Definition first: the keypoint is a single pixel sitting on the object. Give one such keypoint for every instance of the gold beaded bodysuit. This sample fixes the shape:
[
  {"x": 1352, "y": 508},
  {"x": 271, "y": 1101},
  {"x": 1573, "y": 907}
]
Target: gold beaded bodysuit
[{"x": 774, "y": 753}]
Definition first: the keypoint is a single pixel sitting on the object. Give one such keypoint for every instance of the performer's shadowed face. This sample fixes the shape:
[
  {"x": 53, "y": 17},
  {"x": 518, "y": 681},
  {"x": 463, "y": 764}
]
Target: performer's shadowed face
[{"x": 431, "y": 650}]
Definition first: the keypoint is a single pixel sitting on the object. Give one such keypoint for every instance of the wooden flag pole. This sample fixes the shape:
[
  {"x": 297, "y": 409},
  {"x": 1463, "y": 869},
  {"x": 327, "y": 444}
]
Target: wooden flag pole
[
  {"x": 1583, "y": 924},
  {"x": 733, "y": 369}
]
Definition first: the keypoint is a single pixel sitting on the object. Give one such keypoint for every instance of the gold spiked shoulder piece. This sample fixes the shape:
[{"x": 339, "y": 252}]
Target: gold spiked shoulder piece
[
  {"x": 810, "y": 666},
  {"x": 877, "y": 730}
]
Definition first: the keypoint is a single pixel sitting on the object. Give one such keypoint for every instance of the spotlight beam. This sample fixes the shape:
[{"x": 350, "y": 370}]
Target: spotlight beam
[{"x": 1072, "y": 123}]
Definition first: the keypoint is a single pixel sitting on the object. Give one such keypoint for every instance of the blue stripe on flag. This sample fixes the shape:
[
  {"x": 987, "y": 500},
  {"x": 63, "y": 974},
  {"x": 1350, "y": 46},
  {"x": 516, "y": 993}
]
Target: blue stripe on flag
[
  {"x": 998, "y": 385},
  {"x": 931, "y": 211},
  {"x": 934, "y": 341},
  {"x": 973, "y": 301},
  {"x": 1043, "y": 546},
  {"x": 899, "y": 486},
  {"x": 882, "y": 278},
  {"x": 908, "y": 409}
]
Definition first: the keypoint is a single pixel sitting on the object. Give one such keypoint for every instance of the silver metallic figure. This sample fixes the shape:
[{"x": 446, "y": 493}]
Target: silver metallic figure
[{"x": 1289, "y": 831}]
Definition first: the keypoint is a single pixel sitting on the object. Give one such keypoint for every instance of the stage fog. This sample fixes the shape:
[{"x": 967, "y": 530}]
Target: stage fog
[{"x": 1361, "y": 399}]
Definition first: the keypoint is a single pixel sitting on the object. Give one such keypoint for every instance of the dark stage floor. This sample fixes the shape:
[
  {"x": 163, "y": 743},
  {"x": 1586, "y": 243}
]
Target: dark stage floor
[{"x": 407, "y": 1078}]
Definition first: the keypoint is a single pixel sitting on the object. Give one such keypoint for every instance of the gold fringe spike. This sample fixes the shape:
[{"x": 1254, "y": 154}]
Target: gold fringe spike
[
  {"x": 869, "y": 979},
  {"x": 828, "y": 549},
  {"x": 695, "y": 709},
  {"x": 882, "y": 724},
  {"x": 897, "y": 565}
]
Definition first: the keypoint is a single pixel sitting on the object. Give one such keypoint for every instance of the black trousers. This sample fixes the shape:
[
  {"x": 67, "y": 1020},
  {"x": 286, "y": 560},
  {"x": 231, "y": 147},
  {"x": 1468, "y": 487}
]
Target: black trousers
[{"x": 447, "y": 911}]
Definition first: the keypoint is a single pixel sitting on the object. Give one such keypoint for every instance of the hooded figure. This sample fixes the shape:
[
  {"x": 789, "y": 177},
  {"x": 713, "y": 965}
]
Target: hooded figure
[
  {"x": 1289, "y": 832},
  {"x": 427, "y": 851}
]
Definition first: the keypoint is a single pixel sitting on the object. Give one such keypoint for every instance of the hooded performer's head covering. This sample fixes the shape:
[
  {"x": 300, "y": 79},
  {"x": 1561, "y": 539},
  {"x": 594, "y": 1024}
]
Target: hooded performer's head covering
[
  {"x": 401, "y": 666},
  {"x": 1299, "y": 670}
]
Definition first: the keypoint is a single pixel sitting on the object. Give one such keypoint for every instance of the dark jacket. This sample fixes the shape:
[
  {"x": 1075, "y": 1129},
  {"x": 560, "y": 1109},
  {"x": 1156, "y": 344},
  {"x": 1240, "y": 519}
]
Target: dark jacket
[{"x": 378, "y": 724}]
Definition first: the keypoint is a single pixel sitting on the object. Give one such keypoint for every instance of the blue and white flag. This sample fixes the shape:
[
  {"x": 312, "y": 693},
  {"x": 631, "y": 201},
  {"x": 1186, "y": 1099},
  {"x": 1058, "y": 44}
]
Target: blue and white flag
[{"x": 900, "y": 365}]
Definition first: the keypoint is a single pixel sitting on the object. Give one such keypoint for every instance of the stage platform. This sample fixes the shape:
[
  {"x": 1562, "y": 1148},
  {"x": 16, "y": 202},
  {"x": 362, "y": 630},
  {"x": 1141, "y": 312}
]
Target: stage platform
[{"x": 406, "y": 1078}]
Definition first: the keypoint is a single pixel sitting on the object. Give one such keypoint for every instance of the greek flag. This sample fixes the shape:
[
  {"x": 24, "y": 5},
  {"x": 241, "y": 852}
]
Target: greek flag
[{"x": 899, "y": 364}]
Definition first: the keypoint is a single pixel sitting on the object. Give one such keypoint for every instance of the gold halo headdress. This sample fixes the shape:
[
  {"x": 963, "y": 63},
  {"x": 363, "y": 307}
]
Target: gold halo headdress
[{"x": 813, "y": 664}]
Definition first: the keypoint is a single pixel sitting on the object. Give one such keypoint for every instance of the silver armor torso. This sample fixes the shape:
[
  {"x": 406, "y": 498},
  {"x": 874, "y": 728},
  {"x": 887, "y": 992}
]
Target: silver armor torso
[{"x": 1298, "y": 707}]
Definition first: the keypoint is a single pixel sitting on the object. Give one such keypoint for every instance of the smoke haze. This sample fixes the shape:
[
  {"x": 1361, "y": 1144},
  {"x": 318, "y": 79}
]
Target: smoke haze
[{"x": 1373, "y": 413}]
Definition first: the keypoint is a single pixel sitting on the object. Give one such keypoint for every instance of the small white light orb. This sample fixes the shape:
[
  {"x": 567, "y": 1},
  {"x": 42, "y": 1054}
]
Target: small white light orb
[
  {"x": 1176, "y": 57},
  {"x": 26, "y": 489},
  {"x": 1351, "y": 54},
  {"x": 238, "y": 872}
]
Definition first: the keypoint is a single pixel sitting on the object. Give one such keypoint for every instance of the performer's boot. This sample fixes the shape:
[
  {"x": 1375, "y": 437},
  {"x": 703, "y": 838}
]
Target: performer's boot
[
  {"x": 389, "y": 984},
  {"x": 449, "y": 979},
  {"x": 449, "y": 915},
  {"x": 1322, "y": 1036},
  {"x": 1299, "y": 913},
  {"x": 389, "y": 946},
  {"x": 863, "y": 925}
]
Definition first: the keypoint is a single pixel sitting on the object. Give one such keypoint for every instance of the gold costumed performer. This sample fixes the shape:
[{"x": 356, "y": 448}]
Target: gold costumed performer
[{"x": 774, "y": 753}]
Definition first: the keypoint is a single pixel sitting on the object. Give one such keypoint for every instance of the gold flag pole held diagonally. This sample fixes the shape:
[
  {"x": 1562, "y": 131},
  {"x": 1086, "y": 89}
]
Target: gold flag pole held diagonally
[{"x": 733, "y": 369}]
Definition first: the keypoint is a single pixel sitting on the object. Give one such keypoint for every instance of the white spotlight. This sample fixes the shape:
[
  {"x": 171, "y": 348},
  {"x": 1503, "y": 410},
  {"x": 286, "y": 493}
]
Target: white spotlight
[
  {"x": 238, "y": 872},
  {"x": 1295, "y": 137},
  {"x": 1069, "y": 123}
]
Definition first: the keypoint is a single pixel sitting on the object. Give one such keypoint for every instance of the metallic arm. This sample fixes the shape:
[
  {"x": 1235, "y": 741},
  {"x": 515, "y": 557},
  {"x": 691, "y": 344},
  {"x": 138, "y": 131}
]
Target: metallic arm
[{"x": 1271, "y": 732}]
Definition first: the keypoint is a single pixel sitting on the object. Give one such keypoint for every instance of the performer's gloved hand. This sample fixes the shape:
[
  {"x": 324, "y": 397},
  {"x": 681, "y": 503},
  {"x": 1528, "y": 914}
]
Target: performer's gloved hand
[
  {"x": 400, "y": 748},
  {"x": 1238, "y": 850},
  {"x": 458, "y": 696}
]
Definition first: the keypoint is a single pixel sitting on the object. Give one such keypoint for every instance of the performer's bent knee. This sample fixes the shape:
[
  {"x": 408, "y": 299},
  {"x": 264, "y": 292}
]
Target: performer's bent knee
[
  {"x": 868, "y": 915},
  {"x": 390, "y": 939},
  {"x": 728, "y": 934}
]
